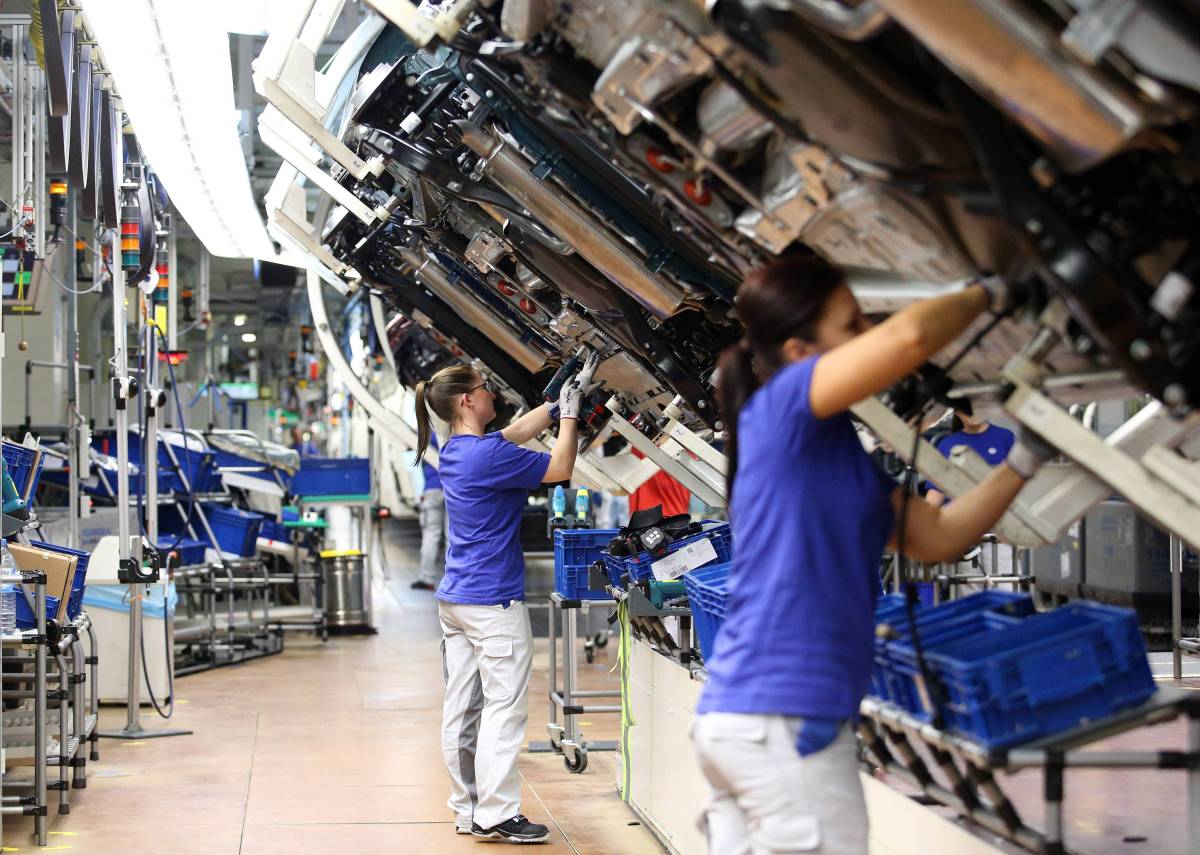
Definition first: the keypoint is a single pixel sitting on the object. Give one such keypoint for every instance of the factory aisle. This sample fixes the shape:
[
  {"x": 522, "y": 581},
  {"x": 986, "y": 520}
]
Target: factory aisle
[{"x": 326, "y": 748}]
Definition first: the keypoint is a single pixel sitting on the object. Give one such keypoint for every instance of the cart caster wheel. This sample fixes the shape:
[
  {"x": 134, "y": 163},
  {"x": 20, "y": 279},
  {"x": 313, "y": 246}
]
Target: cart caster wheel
[
  {"x": 580, "y": 762},
  {"x": 556, "y": 746},
  {"x": 602, "y": 640},
  {"x": 589, "y": 653}
]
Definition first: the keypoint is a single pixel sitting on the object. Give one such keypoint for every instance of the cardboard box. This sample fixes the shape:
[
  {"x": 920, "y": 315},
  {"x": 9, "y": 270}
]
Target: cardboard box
[{"x": 59, "y": 570}]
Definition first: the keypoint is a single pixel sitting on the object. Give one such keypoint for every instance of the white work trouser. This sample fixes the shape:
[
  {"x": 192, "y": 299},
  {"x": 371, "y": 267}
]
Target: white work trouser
[
  {"x": 433, "y": 523},
  {"x": 766, "y": 798},
  {"x": 486, "y": 653}
]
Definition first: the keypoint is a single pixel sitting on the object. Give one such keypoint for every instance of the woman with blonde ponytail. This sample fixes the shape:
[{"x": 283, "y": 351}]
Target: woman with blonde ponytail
[
  {"x": 487, "y": 645},
  {"x": 811, "y": 517}
]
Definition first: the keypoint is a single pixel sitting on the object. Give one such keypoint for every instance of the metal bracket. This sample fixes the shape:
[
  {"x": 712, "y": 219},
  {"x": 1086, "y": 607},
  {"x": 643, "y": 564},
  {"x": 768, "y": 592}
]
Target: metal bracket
[
  {"x": 419, "y": 29},
  {"x": 285, "y": 74},
  {"x": 1019, "y": 525},
  {"x": 674, "y": 458},
  {"x": 1155, "y": 479}
]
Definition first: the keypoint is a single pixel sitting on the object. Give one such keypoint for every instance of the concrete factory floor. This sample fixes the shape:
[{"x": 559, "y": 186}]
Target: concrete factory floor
[
  {"x": 334, "y": 748},
  {"x": 327, "y": 748}
]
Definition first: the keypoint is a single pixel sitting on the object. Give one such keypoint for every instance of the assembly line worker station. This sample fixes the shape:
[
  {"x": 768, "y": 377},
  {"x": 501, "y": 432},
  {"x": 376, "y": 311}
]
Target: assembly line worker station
[{"x": 619, "y": 428}]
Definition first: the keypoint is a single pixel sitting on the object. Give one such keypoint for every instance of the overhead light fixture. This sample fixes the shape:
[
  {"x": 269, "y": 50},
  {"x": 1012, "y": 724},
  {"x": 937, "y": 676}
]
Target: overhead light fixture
[
  {"x": 249, "y": 337},
  {"x": 171, "y": 65},
  {"x": 239, "y": 320}
]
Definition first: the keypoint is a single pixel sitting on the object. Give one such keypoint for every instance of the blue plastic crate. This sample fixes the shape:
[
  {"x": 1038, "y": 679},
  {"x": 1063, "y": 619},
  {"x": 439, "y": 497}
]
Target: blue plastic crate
[
  {"x": 274, "y": 530},
  {"x": 24, "y": 466},
  {"x": 895, "y": 672},
  {"x": 78, "y": 582},
  {"x": 1050, "y": 673},
  {"x": 324, "y": 476},
  {"x": 236, "y": 531},
  {"x": 708, "y": 591},
  {"x": 251, "y": 468},
  {"x": 575, "y": 551},
  {"x": 25, "y": 616},
  {"x": 191, "y": 552},
  {"x": 196, "y": 461},
  {"x": 638, "y": 567}
]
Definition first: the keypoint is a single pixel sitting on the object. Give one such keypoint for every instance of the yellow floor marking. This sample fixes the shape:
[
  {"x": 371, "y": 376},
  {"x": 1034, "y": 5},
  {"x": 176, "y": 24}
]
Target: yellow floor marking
[
  {"x": 132, "y": 743},
  {"x": 64, "y": 833},
  {"x": 585, "y": 724}
]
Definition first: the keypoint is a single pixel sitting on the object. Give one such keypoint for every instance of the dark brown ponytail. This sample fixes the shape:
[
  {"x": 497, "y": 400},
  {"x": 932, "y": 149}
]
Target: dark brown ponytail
[
  {"x": 439, "y": 394},
  {"x": 784, "y": 299}
]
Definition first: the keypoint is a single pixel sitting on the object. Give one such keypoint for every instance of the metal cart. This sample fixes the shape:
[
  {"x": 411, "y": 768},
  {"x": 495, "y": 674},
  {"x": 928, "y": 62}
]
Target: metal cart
[{"x": 565, "y": 738}]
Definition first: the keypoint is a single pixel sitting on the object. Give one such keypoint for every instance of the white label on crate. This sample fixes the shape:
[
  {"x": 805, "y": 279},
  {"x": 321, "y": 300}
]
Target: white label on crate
[{"x": 689, "y": 558}]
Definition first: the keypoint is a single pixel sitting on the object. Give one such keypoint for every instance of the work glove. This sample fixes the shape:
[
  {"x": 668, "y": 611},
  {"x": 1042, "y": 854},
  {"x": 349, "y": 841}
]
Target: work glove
[
  {"x": 570, "y": 399},
  {"x": 1029, "y": 452}
]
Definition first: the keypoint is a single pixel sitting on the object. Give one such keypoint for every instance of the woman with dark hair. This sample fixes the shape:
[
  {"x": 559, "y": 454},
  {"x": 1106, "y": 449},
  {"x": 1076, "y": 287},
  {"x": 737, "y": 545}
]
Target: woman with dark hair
[
  {"x": 811, "y": 517},
  {"x": 487, "y": 646}
]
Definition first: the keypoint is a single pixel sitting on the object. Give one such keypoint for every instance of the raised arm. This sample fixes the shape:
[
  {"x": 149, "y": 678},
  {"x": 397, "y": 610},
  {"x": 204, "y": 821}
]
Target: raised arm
[
  {"x": 943, "y": 532},
  {"x": 874, "y": 360},
  {"x": 562, "y": 456},
  {"x": 529, "y": 425}
]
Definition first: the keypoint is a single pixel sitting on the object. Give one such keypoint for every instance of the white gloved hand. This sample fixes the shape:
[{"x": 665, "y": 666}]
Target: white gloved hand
[
  {"x": 1029, "y": 453},
  {"x": 570, "y": 399}
]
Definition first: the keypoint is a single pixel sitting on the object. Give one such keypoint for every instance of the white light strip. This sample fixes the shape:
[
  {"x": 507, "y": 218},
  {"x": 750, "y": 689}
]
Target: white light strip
[{"x": 171, "y": 64}]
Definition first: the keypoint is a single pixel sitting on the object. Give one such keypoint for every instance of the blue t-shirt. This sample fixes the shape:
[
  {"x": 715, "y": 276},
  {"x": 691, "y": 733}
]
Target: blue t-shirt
[
  {"x": 486, "y": 480},
  {"x": 992, "y": 444},
  {"x": 433, "y": 481},
  {"x": 811, "y": 516}
]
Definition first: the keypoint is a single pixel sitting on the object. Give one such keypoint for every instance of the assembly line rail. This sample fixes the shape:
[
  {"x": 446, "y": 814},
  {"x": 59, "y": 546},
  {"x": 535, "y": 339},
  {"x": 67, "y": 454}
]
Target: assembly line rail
[{"x": 912, "y": 749}]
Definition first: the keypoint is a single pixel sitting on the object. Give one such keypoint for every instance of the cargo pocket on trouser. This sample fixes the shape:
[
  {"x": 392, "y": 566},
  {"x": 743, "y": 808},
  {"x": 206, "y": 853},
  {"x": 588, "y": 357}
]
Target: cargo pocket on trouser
[
  {"x": 784, "y": 831},
  {"x": 497, "y": 668}
]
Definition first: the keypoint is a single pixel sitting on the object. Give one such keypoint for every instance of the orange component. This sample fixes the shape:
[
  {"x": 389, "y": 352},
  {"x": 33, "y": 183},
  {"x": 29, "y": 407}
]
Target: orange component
[
  {"x": 527, "y": 306},
  {"x": 505, "y": 289},
  {"x": 697, "y": 192},
  {"x": 656, "y": 158}
]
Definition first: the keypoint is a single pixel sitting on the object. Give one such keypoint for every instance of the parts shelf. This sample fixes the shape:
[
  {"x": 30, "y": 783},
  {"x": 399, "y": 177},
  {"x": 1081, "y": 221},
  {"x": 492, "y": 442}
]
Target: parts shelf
[{"x": 57, "y": 711}]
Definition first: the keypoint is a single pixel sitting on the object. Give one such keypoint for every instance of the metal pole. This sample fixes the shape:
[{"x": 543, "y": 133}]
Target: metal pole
[
  {"x": 39, "y": 712},
  {"x": 1176, "y": 548},
  {"x": 18, "y": 122},
  {"x": 134, "y": 687},
  {"x": 73, "y": 415},
  {"x": 79, "y": 780},
  {"x": 172, "y": 331},
  {"x": 64, "y": 737}
]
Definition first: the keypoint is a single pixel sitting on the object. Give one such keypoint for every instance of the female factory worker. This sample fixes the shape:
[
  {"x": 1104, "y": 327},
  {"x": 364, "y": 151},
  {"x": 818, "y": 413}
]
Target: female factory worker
[
  {"x": 811, "y": 517},
  {"x": 487, "y": 645}
]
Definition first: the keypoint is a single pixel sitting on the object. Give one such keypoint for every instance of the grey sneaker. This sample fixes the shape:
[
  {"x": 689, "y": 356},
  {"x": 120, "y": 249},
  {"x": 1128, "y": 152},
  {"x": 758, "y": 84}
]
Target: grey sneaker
[{"x": 515, "y": 830}]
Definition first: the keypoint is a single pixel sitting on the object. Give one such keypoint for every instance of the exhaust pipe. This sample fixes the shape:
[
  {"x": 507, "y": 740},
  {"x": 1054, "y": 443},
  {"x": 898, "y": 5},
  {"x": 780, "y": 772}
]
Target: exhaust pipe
[
  {"x": 1015, "y": 60},
  {"x": 430, "y": 274},
  {"x": 590, "y": 237}
]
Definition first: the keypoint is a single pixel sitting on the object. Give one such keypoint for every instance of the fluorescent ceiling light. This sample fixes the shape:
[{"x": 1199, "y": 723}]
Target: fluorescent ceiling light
[
  {"x": 249, "y": 337},
  {"x": 239, "y": 320},
  {"x": 171, "y": 64}
]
